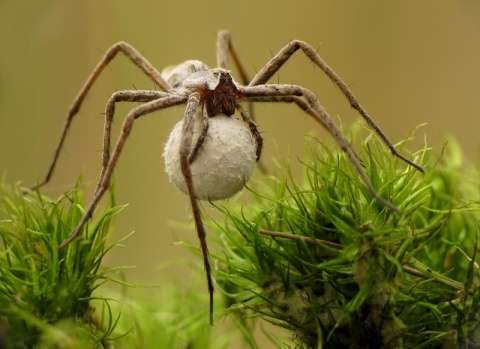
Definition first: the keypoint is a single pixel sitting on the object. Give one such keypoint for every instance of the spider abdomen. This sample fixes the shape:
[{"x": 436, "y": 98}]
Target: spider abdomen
[
  {"x": 224, "y": 163},
  {"x": 176, "y": 75}
]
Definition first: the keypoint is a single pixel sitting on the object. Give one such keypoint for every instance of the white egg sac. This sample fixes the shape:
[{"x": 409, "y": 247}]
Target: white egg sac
[{"x": 224, "y": 162}]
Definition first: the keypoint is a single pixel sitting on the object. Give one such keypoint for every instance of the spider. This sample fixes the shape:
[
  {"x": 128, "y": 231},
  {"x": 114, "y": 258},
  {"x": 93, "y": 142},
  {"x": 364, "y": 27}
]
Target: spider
[{"x": 206, "y": 94}]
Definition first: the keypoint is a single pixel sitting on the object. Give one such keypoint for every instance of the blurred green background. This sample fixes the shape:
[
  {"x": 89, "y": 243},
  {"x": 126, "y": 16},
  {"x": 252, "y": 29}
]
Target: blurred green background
[{"x": 408, "y": 62}]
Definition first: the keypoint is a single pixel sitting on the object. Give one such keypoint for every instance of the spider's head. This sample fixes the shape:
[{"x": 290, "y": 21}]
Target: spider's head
[{"x": 217, "y": 88}]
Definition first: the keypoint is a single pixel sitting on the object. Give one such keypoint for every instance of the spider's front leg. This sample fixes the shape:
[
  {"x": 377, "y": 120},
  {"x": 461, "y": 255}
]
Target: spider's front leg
[
  {"x": 223, "y": 165},
  {"x": 185, "y": 146}
]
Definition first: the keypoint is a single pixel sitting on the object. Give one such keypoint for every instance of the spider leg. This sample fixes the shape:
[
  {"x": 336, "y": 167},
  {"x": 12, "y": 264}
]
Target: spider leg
[
  {"x": 201, "y": 137},
  {"x": 136, "y": 58},
  {"x": 121, "y": 96},
  {"x": 310, "y": 104},
  {"x": 104, "y": 184},
  {"x": 224, "y": 48},
  {"x": 285, "y": 53},
  {"x": 188, "y": 123}
]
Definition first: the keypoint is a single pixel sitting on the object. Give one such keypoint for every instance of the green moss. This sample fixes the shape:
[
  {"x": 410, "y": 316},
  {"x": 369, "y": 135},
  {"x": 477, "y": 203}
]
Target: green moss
[
  {"x": 316, "y": 256},
  {"x": 53, "y": 299},
  {"x": 45, "y": 293},
  {"x": 349, "y": 272}
]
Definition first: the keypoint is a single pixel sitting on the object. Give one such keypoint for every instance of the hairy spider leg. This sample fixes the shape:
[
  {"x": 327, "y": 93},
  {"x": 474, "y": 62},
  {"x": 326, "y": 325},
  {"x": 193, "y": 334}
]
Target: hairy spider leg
[
  {"x": 310, "y": 104},
  {"x": 224, "y": 48},
  {"x": 133, "y": 55},
  {"x": 191, "y": 112},
  {"x": 284, "y": 55},
  {"x": 127, "y": 125},
  {"x": 138, "y": 96}
]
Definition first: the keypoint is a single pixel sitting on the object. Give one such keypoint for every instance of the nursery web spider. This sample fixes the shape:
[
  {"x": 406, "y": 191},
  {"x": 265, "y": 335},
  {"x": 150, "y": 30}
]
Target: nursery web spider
[{"x": 210, "y": 92}]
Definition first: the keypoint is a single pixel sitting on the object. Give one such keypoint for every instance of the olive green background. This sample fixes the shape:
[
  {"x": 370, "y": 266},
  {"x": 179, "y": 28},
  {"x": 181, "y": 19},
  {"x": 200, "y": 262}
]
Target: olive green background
[{"x": 408, "y": 62}]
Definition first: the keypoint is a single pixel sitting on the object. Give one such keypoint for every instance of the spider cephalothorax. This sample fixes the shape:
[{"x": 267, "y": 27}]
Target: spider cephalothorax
[
  {"x": 216, "y": 86},
  {"x": 209, "y": 93}
]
